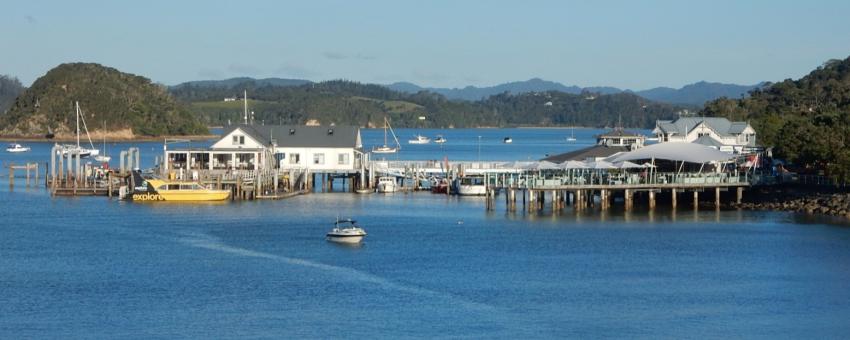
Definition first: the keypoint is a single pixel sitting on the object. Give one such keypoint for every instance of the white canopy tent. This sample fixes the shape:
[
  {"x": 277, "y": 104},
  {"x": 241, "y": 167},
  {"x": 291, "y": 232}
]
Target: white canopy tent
[
  {"x": 572, "y": 165},
  {"x": 627, "y": 165},
  {"x": 676, "y": 151}
]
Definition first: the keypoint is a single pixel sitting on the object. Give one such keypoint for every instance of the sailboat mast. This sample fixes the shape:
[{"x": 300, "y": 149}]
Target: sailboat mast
[
  {"x": 77, "y": 111},
  {"x": 385, "y": 131}
]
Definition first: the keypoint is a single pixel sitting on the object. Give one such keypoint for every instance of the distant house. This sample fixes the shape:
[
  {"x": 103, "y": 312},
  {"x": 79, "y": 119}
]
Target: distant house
[
  {"x": 230, "y": 99},
  {"x": 323, "y": 149},
  {"x": 718, "y": 133},
  {"x": 621, "y": 137}
]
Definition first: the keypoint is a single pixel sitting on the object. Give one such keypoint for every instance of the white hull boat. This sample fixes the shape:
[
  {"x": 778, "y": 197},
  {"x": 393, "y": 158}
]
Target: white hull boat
[
  {"x": 387, "y": 184},
  {"x": 419, "y": 139},
  {"x": 508, "y": 140},
  {"x": 386, "y": 148},
  {"x": 346, "y": 231},
  {"x": 472, "y": 186},
  {"x": 440, "y": 140},
  {"x": 17, "y": 148}
]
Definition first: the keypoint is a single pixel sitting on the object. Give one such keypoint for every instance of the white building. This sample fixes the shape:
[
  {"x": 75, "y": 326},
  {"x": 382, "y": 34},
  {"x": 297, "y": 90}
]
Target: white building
[
  {"x": 322, "y": 149},
  {"x": 719, "y": 133}
]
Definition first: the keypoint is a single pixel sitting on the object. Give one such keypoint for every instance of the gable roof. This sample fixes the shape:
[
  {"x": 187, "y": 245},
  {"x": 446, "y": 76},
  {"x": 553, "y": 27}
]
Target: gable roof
[
  {"x": 619, "y": 132},
  {"x": 339, "y": 136},
  {"x": 721, "y": 126}
]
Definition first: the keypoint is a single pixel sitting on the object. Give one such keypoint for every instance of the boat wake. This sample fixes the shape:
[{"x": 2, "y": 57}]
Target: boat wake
[{"x": 212, "y": 243}]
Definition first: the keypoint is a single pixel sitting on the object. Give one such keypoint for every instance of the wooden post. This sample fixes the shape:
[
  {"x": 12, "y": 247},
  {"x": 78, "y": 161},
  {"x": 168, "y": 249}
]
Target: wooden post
[
  {"x": 651, "y": 199},
  {"x": 739, "y": 194},
  {"x": 717, "y": 197},
  {"x": 531, "y": 200},
  {"x": 11, "y": 175},
  {"x": 628, "y": 199},
  {"x": 673, "y": 197}
]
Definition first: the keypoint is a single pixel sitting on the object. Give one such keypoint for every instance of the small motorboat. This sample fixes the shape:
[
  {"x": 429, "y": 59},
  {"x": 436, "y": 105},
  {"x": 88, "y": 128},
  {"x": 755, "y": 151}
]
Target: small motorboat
[
  {"x": 387, "y": 184},
  {"x": 419, "y": 139},
  {"x": 439, "y": 185},
  {"x": 346, "y": 231},
  {"x": 440, "y": 139},
  {"x": 17, "y": 148},
  {"x": 508, "y": 140}
]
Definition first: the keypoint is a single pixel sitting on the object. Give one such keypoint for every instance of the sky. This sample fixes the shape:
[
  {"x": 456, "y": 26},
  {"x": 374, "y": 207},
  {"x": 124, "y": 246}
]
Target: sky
[{"x": 627, "y": 44}]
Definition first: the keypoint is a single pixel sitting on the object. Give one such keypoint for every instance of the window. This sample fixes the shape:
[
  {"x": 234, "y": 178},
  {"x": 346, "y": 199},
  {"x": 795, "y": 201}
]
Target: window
[
  {"x": 319, "y": 158},
  {"x": 235, "y": 139},
  {"x": 241, "y": 140},
  {"x": 702, "y": 134},
  {"x": 343, "y": 159},
  {"x": 294, "y": 158},
  {"x": 238, "y": 140}
]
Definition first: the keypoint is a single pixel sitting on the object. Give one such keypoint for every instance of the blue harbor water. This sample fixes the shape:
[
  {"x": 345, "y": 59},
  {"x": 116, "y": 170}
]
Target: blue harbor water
[{"x": 432, "y": 265}]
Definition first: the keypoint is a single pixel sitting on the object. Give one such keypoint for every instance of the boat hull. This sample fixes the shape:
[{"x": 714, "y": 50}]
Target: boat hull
[
  {"x": 472, "y": 190},
  {"x": 387, "y": 187},
  {"x": 18, "y": 150},
  {"x": 349, "y": 239}
]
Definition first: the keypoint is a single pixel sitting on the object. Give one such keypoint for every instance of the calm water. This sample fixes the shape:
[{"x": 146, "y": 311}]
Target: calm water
[{"x": 91, "y": 267}]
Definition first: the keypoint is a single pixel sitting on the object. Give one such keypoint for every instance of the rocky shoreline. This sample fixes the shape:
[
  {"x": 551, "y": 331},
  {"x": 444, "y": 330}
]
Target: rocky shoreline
[{"x": 805, "y": 201}]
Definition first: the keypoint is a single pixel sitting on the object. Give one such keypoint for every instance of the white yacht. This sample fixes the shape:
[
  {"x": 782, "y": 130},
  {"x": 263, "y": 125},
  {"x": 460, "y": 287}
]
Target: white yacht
[
  {"x": 76, "y": 148},
  {"x": 440, "y": 139},
  {"x": 387, "y": 184},
  {"x": 17, "y": 148},
  {"x": 471, "y": 186},
  {"x": 572, "y": 137},
  {"x": 386, "y": 148},
  {"x": 508, "y": 140},
  {"x": 346, "y": 231},
  {"x": 419, "y": 139}
]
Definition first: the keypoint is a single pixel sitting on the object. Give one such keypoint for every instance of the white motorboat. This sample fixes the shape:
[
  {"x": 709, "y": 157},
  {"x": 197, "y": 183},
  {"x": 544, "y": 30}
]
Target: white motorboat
[
  {"x": 76, "y": 148},
  {"x": 346, "y": 231},
  {"x": 387, "y": 184},
  {"x": 471, "y": 186},
  {"x": 385, "y": 148},
  {"x": 17, "y": 148},
  {"x": 419, "y": 139},
  {"x": 508, "y": 140},
  {"x": 440, "y": 139}
]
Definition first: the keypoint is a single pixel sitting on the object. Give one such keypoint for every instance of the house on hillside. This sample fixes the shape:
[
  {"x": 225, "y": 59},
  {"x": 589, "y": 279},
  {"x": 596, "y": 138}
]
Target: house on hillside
[
  {"x": 325, "y": 149},
  {"x": 719, "y": 133}
]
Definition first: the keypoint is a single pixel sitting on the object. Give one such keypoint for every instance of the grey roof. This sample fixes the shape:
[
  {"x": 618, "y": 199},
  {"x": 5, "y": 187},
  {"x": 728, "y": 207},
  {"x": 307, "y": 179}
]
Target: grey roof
[
  {"x": 339, "y": 136},
  {"x": 676, "y": 151},
  {"x": 708, "y": 141},
  {"x": 588, "y": 152},
  {"x": 721, "y": 126}
]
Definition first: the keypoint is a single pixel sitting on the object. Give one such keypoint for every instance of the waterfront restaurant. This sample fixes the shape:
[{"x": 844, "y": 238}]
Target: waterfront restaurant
[{"x": 266, "y": 147}]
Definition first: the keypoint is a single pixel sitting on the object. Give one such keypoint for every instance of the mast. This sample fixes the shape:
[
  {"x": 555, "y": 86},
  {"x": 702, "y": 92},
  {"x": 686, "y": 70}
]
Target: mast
[
  {"x": 77, "y": 111},
  {"x": 385, "y": 131}
]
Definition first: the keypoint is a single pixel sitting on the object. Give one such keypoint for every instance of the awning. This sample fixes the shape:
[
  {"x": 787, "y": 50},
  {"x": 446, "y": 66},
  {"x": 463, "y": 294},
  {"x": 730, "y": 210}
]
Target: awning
[
  {"x": 676, "y": 151},
  {"x": 627, "y": 165},
  {"x": 572, "y": 165},
  {"x": 599, "y": 165}
]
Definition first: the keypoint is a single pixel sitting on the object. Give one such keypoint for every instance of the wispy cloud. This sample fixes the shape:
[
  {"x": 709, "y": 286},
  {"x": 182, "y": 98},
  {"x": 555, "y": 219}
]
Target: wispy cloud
[
  {"x": 31, "y": 19},
  {"x": 333, "y": 55}
]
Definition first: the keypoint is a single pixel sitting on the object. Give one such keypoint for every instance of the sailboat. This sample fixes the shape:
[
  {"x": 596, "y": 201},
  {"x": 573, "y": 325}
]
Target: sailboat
[
  {"x": 77, "y": 149},
  {"x": 103, "y": 158},
  {"x": 572, "y": 137},
  {"x": 386, "y": 148}
]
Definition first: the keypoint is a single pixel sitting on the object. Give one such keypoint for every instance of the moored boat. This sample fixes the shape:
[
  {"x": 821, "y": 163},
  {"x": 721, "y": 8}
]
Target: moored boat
[
  {"x": 387, "y": 184},
  {"x": 170, "y": 191},
  {"x": 507, "y": 140},
  {"x": 17, "y": 148},
  {"x": 471, "y": 186},
  {"x": 346, "y": 231},
  {"x": 440, "y": 139},
  {"x": 419, "y": 139},
  {"x": 386, "y": 148}
]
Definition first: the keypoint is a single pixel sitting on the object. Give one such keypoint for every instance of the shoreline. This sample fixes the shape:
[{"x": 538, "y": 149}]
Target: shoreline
[
  {"x": 813, "y": 201},
  {"x": 133, "y": 139}
]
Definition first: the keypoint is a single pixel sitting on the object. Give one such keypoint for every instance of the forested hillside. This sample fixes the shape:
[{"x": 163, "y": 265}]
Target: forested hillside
[
  {"x": 807, "y": 120},
  {"x": 10, "y": 88},
  {"x": 121, "y": 102},
  {"x": 345, "y": 102}
]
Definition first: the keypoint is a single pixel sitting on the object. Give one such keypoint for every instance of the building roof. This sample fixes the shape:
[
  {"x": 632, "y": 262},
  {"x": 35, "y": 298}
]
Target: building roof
[
  {"x": 620, "y": 132},
  {"x": 721, "y": 126},
  {"x": 339, "y": 136},
  {"x": 708, "y": 141},
  {"x": 595, "y": 151}
]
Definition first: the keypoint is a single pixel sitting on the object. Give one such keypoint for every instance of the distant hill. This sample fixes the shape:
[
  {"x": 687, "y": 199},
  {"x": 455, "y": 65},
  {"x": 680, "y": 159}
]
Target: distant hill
[
  {"x": 693, "y": 94},
  {"x": 697, "y": 93},
  {"x": 806, "y": 120},
  {"x": 345, "y": 102},
  {"x": 244, "y": 80},
  {"x": 10, "y": 88},
  {"x": 128, "y": 105}
]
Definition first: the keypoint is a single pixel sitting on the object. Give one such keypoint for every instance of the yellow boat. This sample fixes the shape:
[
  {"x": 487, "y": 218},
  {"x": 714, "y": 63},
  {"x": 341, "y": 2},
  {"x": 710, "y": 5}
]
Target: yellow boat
[{"x": 167, "y": 190}]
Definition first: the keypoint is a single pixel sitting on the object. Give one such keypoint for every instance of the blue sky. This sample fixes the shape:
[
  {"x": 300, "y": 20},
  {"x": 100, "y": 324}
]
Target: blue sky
[{"x": 628, "y": 44}]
